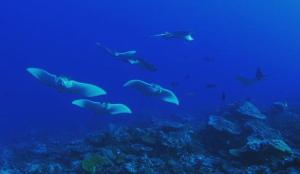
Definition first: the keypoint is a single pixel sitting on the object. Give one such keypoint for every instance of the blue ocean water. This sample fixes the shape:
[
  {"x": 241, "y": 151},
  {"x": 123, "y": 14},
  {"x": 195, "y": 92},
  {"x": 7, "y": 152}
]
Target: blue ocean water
[{"x": 60, "y": 36}]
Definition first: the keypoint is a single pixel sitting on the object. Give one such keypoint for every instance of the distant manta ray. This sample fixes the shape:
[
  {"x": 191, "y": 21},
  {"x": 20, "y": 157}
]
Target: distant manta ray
[
  {"x": 259, "y": 76},
  {"x": 129, "y": 57},
  {"x": 185, "y": 35}
]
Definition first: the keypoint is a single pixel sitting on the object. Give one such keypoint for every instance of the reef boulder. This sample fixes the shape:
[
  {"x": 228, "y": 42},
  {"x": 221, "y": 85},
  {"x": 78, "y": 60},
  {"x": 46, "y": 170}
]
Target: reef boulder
[
  {"x": 223, "y": 125},
  {"x": 248, "y": 110},
  {"x": 263, "y": 143}
]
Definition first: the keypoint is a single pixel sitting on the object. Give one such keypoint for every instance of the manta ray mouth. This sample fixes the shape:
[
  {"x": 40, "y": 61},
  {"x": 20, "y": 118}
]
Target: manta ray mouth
[
  {"x": 64, "y": 82},
  {"x": 156, "y": 88}
]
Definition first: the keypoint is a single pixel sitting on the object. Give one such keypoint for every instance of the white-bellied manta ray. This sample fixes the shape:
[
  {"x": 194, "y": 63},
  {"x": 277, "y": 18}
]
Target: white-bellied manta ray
[
  {"x": 151, "y": 89},
  {"x": 100, "y": 108},
  {"x": 66, "y": 85}
]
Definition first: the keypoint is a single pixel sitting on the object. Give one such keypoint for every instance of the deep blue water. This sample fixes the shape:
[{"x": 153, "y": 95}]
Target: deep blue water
[{"x": 60, "y": 36}]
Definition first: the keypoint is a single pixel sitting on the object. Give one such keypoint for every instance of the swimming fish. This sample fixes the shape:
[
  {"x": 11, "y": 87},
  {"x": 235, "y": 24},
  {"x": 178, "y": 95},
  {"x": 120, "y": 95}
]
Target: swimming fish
[
  {"x": 102, "y": 108},
  {"x": 66, "y": 85},
  {"x": 151, "y": 89},
  {"x": 185, "y": 35},
  {"x": 211, "y": 85},
  {"x": 223, "y": 96},
  {"x": 259, "y": 75},
  {"x": 129, "y": 57}
]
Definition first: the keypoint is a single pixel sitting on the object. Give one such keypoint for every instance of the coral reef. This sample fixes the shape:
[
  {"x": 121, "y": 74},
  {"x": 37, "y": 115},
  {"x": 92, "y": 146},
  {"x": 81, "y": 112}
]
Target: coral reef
[{"x": 238, "y": 140}]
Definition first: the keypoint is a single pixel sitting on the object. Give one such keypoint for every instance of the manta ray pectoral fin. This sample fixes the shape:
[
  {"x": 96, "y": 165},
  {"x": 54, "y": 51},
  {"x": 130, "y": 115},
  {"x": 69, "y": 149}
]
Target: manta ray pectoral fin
[
  {"x": 95, "y": 107},
  {"x": 86, "y": 89},
  {"x": 130, "y": 53},
  {"x": 125, "y": 54},
  {"x": 146, "y": 65},
  {"x": 102, "y": 108},
  {"x": 80, "y": 103},
  {"x": 115, "y": 109},
  {"x": 158, "y": 35},
  {"x": 129, "y": 83},
  {"x": 139, "y": 85},
  {"x": 43, "y": 76},
  {"x": 163, "y": 35},
  {"x": 106, "y": 49},
  {"x": 136, "y": 84},
  {"x": 169, "y": 96},
  {"x": 133, "y": 61}
]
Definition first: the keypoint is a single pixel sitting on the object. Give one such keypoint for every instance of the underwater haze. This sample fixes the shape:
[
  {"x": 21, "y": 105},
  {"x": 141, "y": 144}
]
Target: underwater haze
[{"x": 240, "y": 51}]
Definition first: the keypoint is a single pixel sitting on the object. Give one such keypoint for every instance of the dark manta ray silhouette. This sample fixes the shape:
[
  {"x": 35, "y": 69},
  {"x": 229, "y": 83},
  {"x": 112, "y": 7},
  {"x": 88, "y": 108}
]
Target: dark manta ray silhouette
[
  {"x": 129, "y": 57},
  {"x": 259, "y": 76}
]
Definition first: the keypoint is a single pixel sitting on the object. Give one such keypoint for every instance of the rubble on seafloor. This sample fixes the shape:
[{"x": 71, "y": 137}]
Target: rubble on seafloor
[{"x": 239, "y": 140}]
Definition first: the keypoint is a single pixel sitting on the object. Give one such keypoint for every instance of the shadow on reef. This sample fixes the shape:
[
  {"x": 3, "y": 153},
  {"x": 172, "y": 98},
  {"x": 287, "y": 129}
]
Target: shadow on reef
[{"x": 238, "y": 140}]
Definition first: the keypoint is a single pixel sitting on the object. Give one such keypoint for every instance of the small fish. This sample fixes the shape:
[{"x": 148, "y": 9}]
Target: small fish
[
  {"x": 211, "y": 85},
  {"x": 185, "y": 35},
  {"x": 259, "y": 75},
  {"x": 223, "y": 96}
]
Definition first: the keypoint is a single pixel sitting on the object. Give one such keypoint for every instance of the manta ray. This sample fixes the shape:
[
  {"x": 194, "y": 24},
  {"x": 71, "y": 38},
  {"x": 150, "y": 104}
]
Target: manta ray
[
  {"x": 129, "y": 57},
  {"x": 102, "y": 108},
  {"x": 65, "y": 84},
  {"x": 151, "y": 89},
  {"x": 184, "y": 35}
]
